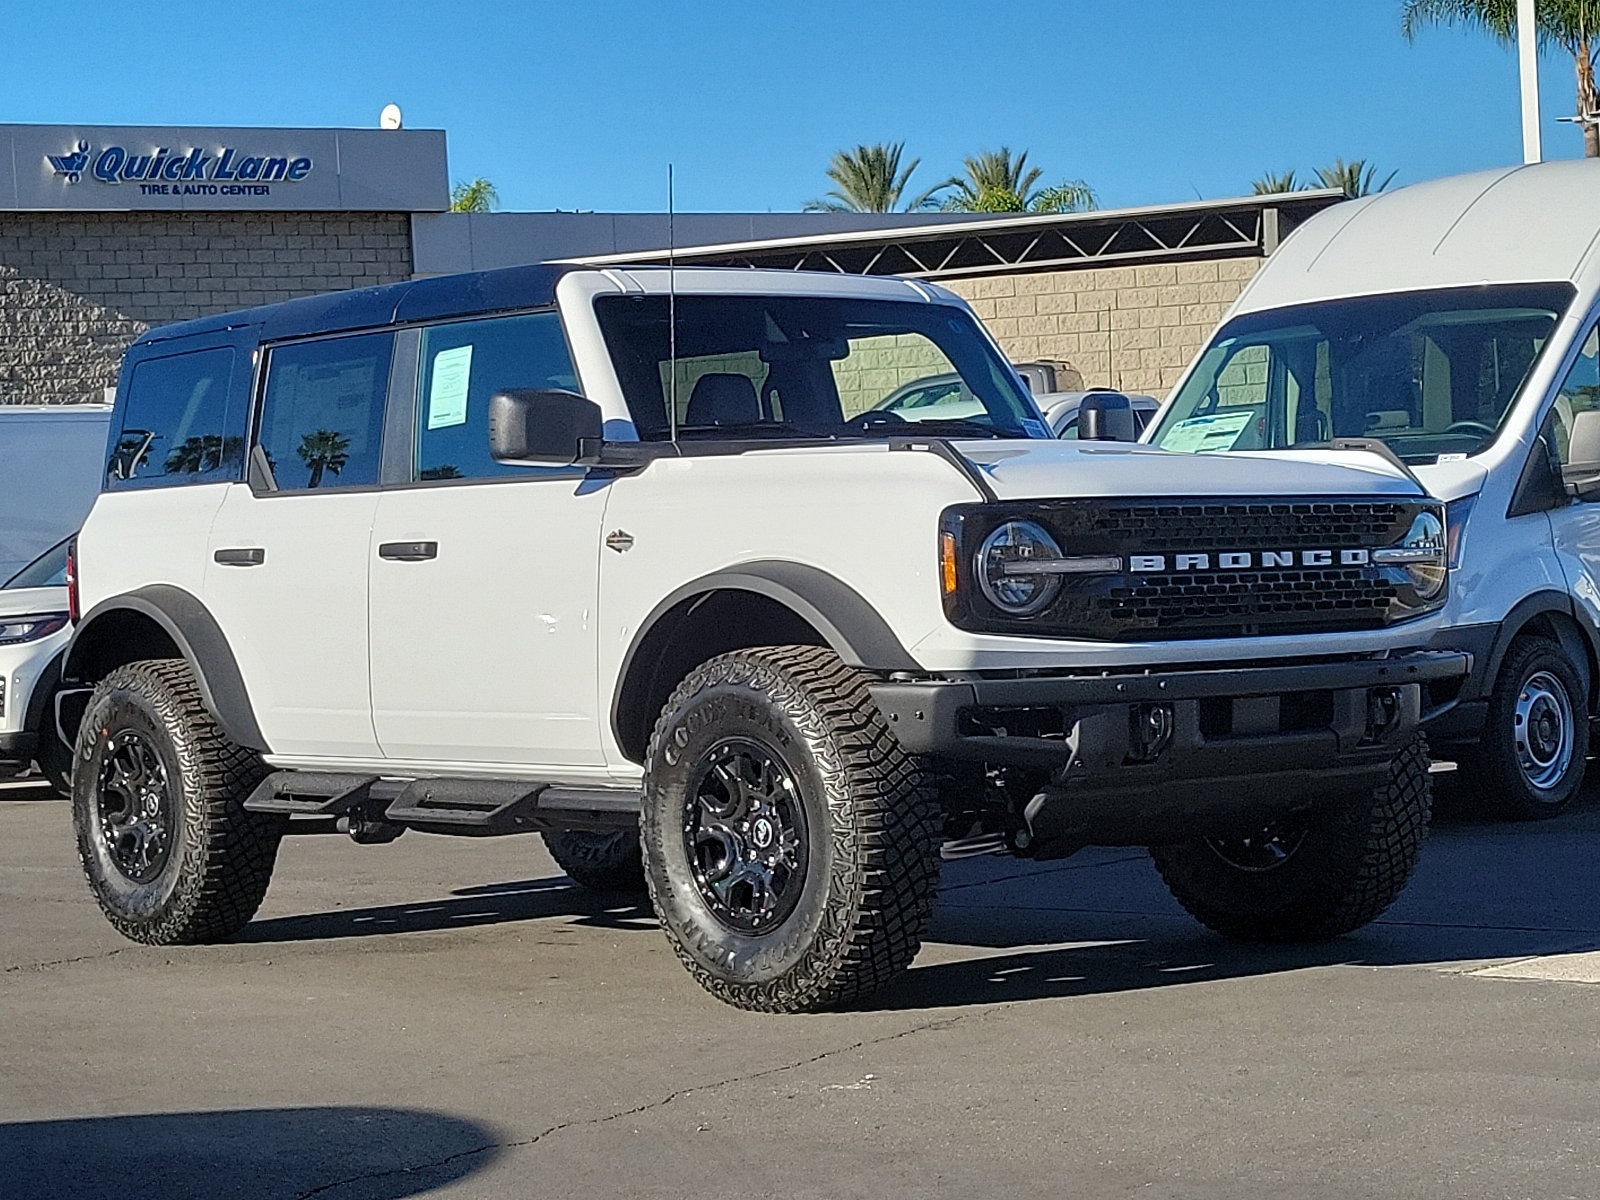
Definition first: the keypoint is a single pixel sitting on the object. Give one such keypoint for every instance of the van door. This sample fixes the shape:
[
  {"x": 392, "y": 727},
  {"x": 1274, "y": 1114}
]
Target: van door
[
  {"x": 483, "y": 573},
  {"x": 286, "y": 575},
  {"x": 1575, "y": 425}
]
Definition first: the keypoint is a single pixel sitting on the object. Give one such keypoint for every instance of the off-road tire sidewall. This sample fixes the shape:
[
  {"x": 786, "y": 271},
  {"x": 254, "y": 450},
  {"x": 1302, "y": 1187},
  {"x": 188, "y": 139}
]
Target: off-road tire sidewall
[
  {"x": 1356, "y": 858},
  {"x": 601, "y": 862},
  {"x": 221, "y": 856},
  {"x": 1499, "y": 777},
  {"x": 872, "y": 870}
]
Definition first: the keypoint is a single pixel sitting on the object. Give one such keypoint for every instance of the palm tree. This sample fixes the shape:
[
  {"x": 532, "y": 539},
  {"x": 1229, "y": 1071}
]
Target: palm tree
[
  {"x": 479, "y": 196},
  {"x": 1355, "y": 178},
  {"x": 1271, "y": 183},
  {"x": 1574, "y": 25},
  {"x": 997, "y": 182},
  {"x": 868, "y": 179},
  {"x": 324, "y": 450}
]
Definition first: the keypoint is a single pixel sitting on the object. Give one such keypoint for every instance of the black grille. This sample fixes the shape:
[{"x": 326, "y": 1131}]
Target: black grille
[{"x": 1205, "y": 603}]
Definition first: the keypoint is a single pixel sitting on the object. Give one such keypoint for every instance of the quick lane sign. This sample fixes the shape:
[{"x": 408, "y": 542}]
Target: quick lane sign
[{"x": 56, "y": 168}]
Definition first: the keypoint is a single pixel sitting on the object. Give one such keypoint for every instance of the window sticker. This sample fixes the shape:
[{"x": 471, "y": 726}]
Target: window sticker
[
  {"x": 447, "y": 391},
  {"x": 1034, "y": 429},
  {"x": 1196, "y": 435}
]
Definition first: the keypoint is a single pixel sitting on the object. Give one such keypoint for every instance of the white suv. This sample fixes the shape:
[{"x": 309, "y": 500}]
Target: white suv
[{"x": 630, "y": 558}]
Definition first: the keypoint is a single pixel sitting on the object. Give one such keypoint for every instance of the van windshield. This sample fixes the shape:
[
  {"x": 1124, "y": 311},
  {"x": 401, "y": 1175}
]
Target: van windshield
[
  {"x": 811, "y": 366},
  {"x": 1428, "y": 373}
]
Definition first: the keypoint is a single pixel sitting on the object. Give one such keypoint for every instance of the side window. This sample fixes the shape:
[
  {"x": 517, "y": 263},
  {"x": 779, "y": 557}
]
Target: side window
[
  {"x": 173, "y": 422},
  {"x": 1577, "y": 431},
  {"x": 322, "y": 417},
  {"x": 465, "y": 363}
]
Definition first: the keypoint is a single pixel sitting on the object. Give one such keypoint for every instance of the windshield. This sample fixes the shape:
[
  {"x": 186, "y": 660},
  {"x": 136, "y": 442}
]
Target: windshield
[
  {"x": 807, "y": 366},
  {"x": 1428, "y": 373},
  {"x": 48, "y": 570}
]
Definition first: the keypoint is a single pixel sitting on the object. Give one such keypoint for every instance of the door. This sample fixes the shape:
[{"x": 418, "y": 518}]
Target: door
[
  {"x": 286, "y": 575},
  {"x": 483, "y": 574},
  {"x": 1575, "y": 427}
]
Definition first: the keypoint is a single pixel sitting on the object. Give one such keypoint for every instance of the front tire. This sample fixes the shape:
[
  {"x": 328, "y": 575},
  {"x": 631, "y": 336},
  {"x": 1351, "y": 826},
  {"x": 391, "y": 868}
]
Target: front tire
[
  {"x": 170, "y": 853},
  {"x": 1530, "y": 762},
  {"x": 790, "y": 845},
  {"x": 1314, "y": 877}
]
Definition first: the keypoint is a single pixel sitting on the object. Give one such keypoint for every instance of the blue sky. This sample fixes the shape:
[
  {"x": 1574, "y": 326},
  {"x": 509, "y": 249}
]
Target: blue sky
[{"x": 581, "y": 105}]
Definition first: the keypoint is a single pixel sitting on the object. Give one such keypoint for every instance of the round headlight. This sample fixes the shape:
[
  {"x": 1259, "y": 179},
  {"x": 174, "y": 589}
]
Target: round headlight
[
  {"x": 1003, "y": 570},
  {"x": 1425, "y": 539}
]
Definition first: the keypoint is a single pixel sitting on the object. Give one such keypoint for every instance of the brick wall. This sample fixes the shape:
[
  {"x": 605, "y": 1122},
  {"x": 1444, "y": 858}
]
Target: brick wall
[
  {"x": 1133, "y": 327},
  {"x": 75, "y": 289}
]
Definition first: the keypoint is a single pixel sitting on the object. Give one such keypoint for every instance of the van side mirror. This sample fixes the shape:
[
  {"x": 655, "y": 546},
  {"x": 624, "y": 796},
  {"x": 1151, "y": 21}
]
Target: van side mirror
[
  {"x": 1106, "y": 417},
  {"x": 544, "y": 425}
]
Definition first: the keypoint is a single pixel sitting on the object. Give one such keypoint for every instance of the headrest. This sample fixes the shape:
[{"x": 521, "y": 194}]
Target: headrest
[{"x": 722, "y": 398}]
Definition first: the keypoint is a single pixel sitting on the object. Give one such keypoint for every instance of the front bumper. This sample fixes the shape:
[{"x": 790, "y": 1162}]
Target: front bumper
[{"x": 1139, "y": 758}]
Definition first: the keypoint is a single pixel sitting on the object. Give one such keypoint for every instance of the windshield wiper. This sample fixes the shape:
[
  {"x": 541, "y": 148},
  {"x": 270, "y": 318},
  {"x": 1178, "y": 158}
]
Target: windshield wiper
[
  {"x": 759, "y": 429},
  {"x": 955, "y": 426}
]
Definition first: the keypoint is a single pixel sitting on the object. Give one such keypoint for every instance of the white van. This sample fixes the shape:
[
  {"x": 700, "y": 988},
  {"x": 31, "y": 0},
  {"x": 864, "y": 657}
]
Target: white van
[
  {"x": 52, "y": 458},
  {"x": 1454, "y": 323}
]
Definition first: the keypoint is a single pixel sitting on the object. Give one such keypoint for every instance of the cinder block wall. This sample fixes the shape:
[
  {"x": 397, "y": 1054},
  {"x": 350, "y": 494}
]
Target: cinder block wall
[
  {"x": 1134, "y": 327},
  {"x": 75, "y": 289}
]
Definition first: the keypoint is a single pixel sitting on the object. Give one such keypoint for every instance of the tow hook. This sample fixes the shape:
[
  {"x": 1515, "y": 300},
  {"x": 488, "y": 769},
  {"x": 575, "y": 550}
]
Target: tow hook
[
  {"x": 1383, "y": 710},
  {"x": 1149, "y": 731}
]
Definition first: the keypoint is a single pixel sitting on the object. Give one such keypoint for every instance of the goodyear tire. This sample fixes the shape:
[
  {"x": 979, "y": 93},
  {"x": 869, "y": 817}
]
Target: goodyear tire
[
  {"x": 1530, "y": 763},
  {"x": 790, "y": 845},
  {"x": 169, "y": 851},
  {"x": 601, "y": 862},
  {"x": 1335, "y": 870}
]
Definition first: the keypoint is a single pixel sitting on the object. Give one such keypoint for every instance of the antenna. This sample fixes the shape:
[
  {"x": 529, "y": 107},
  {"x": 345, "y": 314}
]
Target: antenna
[{"x": 672, "y": 314}]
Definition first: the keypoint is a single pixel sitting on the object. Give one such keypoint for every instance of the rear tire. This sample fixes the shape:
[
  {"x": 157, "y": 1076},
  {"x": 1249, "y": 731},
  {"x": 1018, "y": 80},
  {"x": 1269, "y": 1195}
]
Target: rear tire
[
  {"x": 791, "y": 845},
  {"x": 1530, "y": 762},
  {"x": 169, "y": 851},
  {"x": 601, "y": 862},
  {"x": 1335, "y": 870}
]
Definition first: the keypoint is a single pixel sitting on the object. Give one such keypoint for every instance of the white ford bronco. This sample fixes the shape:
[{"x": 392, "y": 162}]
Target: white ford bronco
[{"x": 630, "y": 558}]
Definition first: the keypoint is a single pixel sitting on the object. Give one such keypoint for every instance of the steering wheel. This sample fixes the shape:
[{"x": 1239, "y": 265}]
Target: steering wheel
[
  {"x": 1470, "y": 427},
  {"x": 874, "y": 418}
]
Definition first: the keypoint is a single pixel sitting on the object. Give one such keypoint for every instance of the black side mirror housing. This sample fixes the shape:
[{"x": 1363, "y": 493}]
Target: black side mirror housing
[
  {"x": 1106, "y": 417},
  {"x": 549, "y": 426}
]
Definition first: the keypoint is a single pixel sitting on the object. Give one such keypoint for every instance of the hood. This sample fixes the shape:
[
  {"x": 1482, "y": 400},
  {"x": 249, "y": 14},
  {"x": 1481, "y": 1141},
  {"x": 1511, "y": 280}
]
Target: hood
[
  {"x": 22, "y": 602},
  {"x": 1037, "y": 470}
]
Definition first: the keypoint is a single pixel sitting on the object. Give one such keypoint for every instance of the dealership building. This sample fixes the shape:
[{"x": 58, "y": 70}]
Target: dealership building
[{"x": 107, "y": 231}]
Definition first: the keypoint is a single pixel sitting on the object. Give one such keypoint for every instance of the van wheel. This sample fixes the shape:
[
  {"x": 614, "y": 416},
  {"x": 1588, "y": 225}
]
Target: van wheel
[
  {"x": 158, "y": 795},
  {"x": 790, "y": 845},
  {"x": 1530, "y": 761},
  {"x": 601, "y": 862},
  {"x": 1311, "y": 877}
]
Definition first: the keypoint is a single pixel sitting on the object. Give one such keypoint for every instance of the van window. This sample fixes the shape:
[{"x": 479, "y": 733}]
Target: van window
[
  {"x": 173, "y": 422},
  {"x": 1428, "y": 373},
  {"x": 322, "y": 418},
  {"x": 1580, "y": 395},
  {"x": 462, "y": 365}
]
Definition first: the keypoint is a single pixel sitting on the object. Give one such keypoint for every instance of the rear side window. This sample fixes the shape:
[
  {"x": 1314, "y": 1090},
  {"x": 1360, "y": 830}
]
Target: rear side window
[
  {"x": 465, "y": 363},
  {"x": 173, "y": 423},
  {"x": 322, "y": 416}
]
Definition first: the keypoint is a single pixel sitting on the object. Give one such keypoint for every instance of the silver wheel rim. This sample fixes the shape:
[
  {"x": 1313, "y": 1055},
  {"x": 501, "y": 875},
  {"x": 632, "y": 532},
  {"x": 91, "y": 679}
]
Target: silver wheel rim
[{"x": 1542, "y": 729}]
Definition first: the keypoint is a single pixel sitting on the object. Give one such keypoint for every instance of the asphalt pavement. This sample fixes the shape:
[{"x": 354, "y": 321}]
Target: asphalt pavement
[{"x": 453, "y": 1018}]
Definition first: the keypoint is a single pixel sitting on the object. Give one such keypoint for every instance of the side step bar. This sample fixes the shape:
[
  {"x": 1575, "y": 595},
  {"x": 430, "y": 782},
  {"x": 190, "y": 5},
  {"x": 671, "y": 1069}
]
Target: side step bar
[{"x": 471, "y": 807}]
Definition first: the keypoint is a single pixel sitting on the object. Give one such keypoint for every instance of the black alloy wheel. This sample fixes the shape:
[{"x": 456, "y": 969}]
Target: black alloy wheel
[{"x": 133, "y": 807}]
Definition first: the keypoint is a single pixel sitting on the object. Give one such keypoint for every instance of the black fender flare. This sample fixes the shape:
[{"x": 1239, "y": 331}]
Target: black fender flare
[
  {"x": 1559, "y": 604},
  {"x": 851, "y": 626},
  {"x": 198, "y": 637}
]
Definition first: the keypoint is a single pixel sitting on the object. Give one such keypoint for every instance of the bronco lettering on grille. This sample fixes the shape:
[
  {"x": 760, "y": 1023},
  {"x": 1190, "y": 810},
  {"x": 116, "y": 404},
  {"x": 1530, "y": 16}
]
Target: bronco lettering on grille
[{"x": 1244, "y": 560}]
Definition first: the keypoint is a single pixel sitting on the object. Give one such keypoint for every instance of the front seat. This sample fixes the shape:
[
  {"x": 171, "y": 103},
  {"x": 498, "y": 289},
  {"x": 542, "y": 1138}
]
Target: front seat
[{"x": 722, "y": 398}]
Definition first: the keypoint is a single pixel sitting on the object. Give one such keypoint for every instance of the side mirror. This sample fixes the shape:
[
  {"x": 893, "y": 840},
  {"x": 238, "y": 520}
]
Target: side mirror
[
  {"x": 544, "y": 425},
  {"x": 1106, "y": 417}
]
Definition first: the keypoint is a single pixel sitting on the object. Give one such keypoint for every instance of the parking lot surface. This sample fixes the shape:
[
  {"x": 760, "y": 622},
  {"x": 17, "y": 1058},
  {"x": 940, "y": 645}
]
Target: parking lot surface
[{"x": 454, "y": 1018}]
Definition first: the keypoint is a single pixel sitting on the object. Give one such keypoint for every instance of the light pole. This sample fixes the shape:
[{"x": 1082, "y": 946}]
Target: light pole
[{"x": 1528, "y": 64}]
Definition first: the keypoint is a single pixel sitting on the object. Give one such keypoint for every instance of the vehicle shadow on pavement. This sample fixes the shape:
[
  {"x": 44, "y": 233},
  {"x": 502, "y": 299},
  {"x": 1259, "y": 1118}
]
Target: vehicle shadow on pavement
[
  {"x": 1102, "y": 923},
  {"x": 492, "y": 904},
  {"x": 370, "y": 1153}
]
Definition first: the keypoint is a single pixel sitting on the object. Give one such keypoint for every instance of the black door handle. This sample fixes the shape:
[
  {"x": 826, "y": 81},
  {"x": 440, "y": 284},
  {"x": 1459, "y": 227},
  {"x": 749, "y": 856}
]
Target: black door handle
[
  {"x": 408, "y": 551},
  {"x": 241, "y": 556}
]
